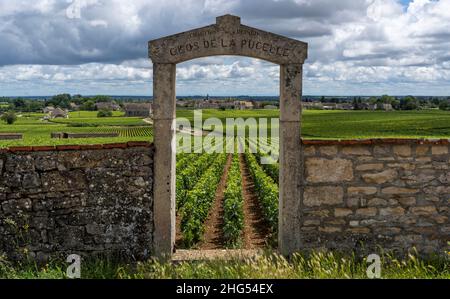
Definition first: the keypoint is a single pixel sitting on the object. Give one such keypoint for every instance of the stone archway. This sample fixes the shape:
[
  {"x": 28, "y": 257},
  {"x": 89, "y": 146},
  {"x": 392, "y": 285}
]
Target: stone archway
[{"x": 227, "y": 37}]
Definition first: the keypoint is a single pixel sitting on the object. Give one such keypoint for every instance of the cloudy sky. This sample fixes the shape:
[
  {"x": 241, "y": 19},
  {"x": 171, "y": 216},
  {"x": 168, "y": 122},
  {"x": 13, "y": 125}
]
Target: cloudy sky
[{"x": 356, "y": 46}]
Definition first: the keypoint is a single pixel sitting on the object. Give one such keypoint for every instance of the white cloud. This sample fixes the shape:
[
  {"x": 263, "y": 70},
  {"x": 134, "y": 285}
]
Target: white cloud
[{"x": 356, "y": 46}]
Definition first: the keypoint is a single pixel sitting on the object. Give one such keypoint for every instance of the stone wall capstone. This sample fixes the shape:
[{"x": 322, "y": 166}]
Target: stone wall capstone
[
  {"x": 76, "y": 200},
  {"x": 366, "y": 195}
]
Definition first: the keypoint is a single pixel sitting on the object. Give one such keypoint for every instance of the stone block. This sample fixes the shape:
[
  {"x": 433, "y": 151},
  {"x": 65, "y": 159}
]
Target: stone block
[
  {"x": 326, "y": 195},
  {"x": 376, "y": 202},
  {"x": 330, "y": 229},
  {"x": 362, "y": 190},
  {"x": 356, "y": 151},
  {"x": 342, "y": 212},
  {"x": 319, "y": 170},
  {"x": 330, "y": 150},
  {"x": 368, "y": 167},
  {"x": 366, "y": 212},
  {"x": 424, "y": 210},
  {"x": 402, "y": 150},
  {"x": 422, "y": 150},
  {"x": 439, "y": 150},
  {"x": 380, "y": 177},
  {"x": 398, "y": 190},
  {"x": 394, "y": 211}
]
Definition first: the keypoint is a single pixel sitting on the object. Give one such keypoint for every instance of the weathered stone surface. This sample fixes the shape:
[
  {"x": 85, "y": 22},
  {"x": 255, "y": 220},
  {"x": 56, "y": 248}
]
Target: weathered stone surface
[
  {"x": 396, "y": 211},
  {"x": 375, "y": 202},
  {"x": 309, "y": 150},
  {"x": 402, "y": 150},
  {"x": 313, "y": 222},
  {"x": 397, "y": 198},
  {"x": 361, "y": 190},
  {"x": 422, "y": 150},
  {"x": 405, "y": 166},
  {"x": 439, "y": 150},
  {"x": 356, "y": 151},
  {"x": 437, "y": 190},
  {"x": 342, "y": 212},
  {"x": 424, "y": 210},
  {"x": 367, "y": 212},
  {"x": 330, "y": 150},
  {"x": 328, "y": 170},
  {"x": 318, "y": 196},
  {"x": 359, "y": 230},
  {"x": 397, "y": 190},
  {"x": 366, "y": 167},
  {"x": 69, "y": 202},
  {"x": 330, "y": 229},
  {"x": 407, "y": 201},
  {"x": 381, "y": 150},
  {"x": 380, "y": 177}
]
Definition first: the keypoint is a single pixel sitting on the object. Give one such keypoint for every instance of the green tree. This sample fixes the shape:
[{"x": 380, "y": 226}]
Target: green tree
[
  {"x": 88, "y": 106},
  {"x": 60, "y": 100},
  {"x": 409, "y": 103},
  {"x": 9, "y": 117},
  {"x": 104, "y": 113},
  {"x": 444, "y": 105},
  {"x": 385, "y": 99},
  {"x": 101, "y": 99},
  {"x": 19, "y": 103}
]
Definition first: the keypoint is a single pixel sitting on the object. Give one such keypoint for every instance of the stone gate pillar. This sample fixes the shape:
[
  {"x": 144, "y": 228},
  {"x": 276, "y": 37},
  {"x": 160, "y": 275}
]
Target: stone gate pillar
[
  {"x": 290, "y": 158},
  {"x": 164, "y": 98}
]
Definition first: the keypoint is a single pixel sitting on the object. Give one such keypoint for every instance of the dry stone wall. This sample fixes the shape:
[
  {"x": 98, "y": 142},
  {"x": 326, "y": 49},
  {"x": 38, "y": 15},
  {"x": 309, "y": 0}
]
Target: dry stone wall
[
  {"x": 371, "y": 194},
  {"x": 76, "y": 200},
  {"x": 363, "y": 195}
]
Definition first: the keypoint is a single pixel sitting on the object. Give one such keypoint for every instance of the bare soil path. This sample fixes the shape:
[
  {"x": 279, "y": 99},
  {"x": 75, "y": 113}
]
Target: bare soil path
[
  {"x": 256, "y": 230},
  {"x": 213, "y": 237}
]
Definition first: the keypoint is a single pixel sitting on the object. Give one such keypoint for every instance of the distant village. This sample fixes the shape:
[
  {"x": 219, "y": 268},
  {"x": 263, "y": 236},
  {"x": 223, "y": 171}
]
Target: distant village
[{"x": 59, "y": 106}]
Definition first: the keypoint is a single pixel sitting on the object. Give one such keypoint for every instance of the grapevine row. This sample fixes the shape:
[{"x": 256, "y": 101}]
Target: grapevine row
[
  {"x": 199, "y": 200},
  {"x": 233, "y": 205},
  {"x": 190, "y": 174},
  {"x": 266, "y": 189}
]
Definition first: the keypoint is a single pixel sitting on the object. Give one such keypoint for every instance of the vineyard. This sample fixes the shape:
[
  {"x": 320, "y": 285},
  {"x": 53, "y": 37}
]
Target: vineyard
[
  {"x": 124, "y": 131},
  {"x": 206, "y": 182}
]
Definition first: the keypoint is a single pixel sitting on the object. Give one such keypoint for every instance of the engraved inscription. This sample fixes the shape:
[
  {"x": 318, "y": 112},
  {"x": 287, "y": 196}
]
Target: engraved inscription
[{"x": 244, "y": 44}]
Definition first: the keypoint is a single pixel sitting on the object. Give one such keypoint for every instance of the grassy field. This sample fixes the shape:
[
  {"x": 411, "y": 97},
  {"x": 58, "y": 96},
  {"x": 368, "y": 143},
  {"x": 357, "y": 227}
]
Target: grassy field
[
  {"x": 316, "y": 265},
  {"x": 315, "y": 125},
  {"x": 37, "y": 131},
  {"x": 339, "y": 124}
]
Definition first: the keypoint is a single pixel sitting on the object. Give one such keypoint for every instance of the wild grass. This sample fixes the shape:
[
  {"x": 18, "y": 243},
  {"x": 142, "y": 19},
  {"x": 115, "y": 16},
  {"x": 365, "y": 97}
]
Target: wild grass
[{"x": 317, "y": 265}]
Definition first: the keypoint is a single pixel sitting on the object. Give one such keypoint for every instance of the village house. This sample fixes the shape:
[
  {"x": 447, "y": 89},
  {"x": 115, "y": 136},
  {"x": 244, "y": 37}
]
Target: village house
[
  {"x": 385, "y": 107},
  {"x": 107, "y": 106},
  {"x": 208, "y": 104},
  {"x": 74, "y": 106},
  {"x": 312, "y": 105},
  {"x": 48, "y": 109},
  {"x": 59, "y": 113},
  {"x": 344, "y": 106},
  {"x": 138, "y": 109},
  {"x": 243, "y": 105}
]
